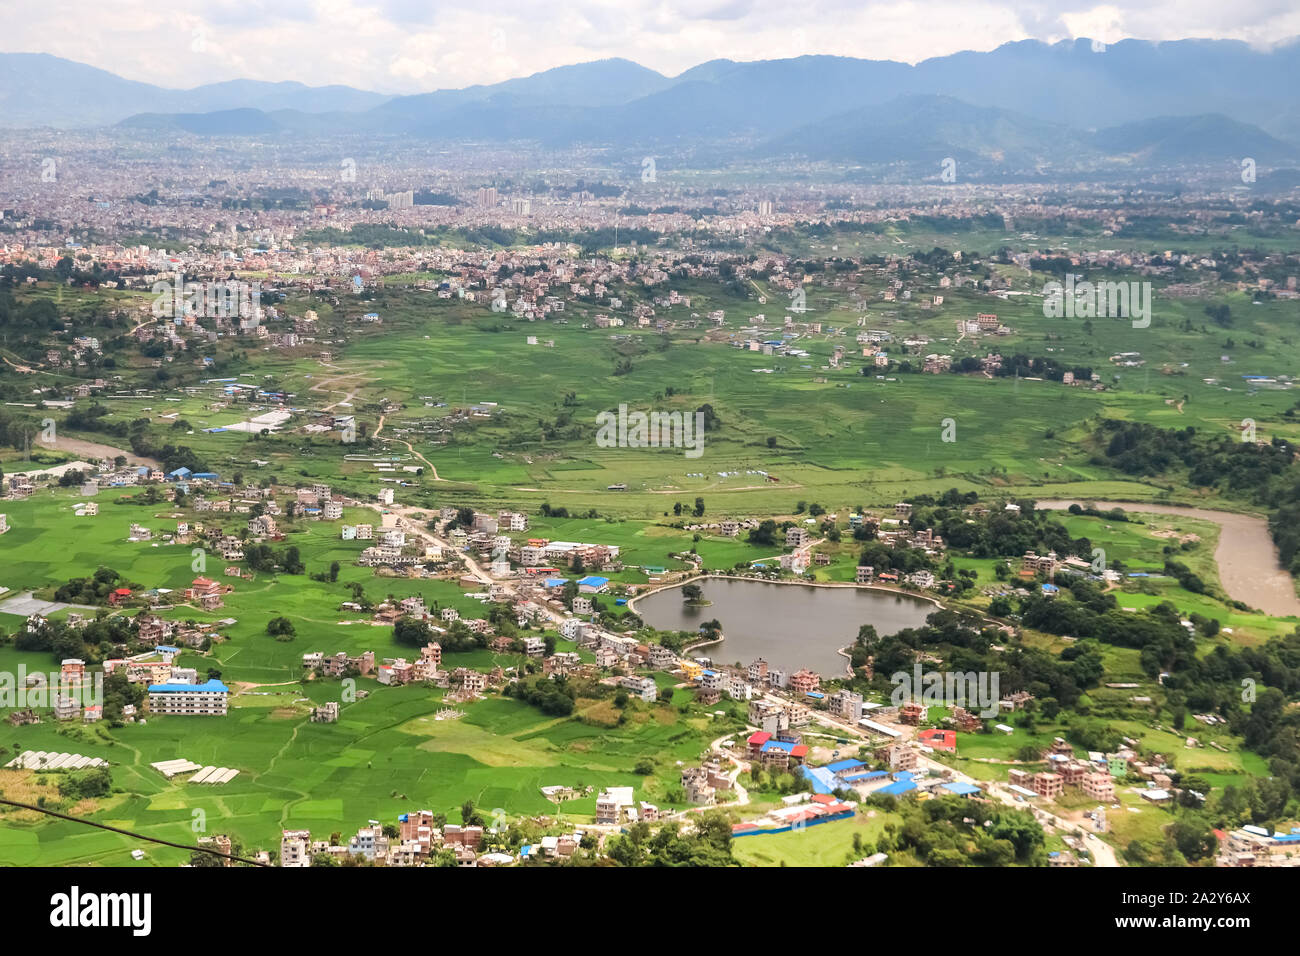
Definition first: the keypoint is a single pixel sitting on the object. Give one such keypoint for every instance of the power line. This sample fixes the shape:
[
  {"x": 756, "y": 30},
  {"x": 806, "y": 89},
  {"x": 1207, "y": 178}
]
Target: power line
[{"x": 130, "y": 833}]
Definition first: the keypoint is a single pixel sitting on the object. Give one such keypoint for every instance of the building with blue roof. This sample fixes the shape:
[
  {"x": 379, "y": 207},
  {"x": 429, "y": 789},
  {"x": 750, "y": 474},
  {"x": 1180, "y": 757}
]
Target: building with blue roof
[
  {"x": 961, "y": 788},
  {"x": 592, "y": 584},
  {"x": 842, "y": 767},
  {"x": 852, "y": 778},
  {"x": 189, "y": 700},
  {"x": 898, "y": 788},
  {"x": 839, "y": 775},
  {"x": 823, "y": 780}
]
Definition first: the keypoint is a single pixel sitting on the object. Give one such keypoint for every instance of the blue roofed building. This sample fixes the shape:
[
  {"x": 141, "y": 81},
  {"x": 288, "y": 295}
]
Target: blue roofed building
[
  {"x": 823, "y": 779},
  {"x": 190, "y": 700}
]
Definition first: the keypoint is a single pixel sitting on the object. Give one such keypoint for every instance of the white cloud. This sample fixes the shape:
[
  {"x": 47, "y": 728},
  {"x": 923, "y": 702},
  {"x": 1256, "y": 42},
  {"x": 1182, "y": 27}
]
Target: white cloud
[{"x": 415, "y": 45}]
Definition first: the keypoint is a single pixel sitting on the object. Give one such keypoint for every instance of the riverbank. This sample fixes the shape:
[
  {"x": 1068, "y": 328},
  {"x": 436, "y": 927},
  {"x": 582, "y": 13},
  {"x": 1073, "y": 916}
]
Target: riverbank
[{"x": 1249, "y": 569}]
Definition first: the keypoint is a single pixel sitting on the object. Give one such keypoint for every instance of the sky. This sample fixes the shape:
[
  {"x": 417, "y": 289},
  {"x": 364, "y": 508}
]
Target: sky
[{"x": 410, "y": 46}]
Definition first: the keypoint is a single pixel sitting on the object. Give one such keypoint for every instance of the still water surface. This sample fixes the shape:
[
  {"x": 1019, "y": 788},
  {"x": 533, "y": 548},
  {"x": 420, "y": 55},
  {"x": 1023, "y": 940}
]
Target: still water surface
[{"x": 788, "y": 625}]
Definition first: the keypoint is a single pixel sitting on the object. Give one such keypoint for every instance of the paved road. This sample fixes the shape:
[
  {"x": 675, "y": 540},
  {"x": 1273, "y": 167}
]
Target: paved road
[{"x": 1102, "y": 853}]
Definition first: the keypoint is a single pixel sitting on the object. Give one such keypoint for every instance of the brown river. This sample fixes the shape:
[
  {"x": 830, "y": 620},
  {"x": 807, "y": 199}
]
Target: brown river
[{"x": 1248, "y": 564}]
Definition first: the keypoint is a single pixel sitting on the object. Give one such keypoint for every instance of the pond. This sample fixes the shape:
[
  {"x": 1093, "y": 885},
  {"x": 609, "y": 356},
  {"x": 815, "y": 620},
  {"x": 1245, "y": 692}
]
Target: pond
[{"x": 788, "y": 625}]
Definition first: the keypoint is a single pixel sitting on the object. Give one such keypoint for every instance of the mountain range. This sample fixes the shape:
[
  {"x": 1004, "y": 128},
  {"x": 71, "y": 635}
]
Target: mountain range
[{"x": 1024, "y": 102}]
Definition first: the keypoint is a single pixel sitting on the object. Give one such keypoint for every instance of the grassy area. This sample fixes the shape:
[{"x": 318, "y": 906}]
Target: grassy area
[{"x": 827, "y": 844}]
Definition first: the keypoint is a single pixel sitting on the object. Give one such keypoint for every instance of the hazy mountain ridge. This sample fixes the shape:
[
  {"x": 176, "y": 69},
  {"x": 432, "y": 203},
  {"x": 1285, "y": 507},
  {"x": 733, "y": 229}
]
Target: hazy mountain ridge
[
  {"x": 1143, "y": 102},
  {"x": 37, "y": 89}
]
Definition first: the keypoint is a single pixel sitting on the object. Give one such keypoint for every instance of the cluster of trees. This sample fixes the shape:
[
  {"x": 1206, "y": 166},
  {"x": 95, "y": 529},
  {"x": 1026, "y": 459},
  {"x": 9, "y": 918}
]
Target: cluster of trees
[
  {"x": 999, "y": 533},
  {"x": 1024, "y": 366},
  {"x": 1083, "y": 609},
  {"x": 85, "y": 784},
  {"x": 19, "y": 430},
  {"x": 92, "y": 590},
  {"x": 262, "y": 557},
  {"x": 764, "y": 534},
  {"x": 935, "y": 833},
  {"x": 281, "y": 628},
  {"x": 553, "y": 697},
  {"x": 966, "y": 644},
  {"x": 707, "y": 844}
]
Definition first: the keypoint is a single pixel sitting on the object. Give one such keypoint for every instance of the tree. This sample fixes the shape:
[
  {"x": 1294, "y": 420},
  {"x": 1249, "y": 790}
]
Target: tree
[
  {"x": 1193, "y": 838},
  {"x": 469, "y": 816},
  {"x": 280, "y": 627}
]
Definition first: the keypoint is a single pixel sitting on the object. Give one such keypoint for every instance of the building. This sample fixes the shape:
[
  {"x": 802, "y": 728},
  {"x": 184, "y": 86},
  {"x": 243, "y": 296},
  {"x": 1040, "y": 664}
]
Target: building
[
  {"x": 661, "y": 657},
  {"x": 326, "y": 713},
  {"x": 66, "y": 708},
  {"x": 912, "y": 713},
  {"x": 1048, "y": 785},
  {"x": 643, "y": 687},
  {"x": 201, "y": 700},
  {"x": 295, "y": 848},
  {"x": 804, "y": 682},
  {"x": 896, "y": 756},
  {"x": 938, "y": 739},
  {"x": 612, "y": 805},
  {"x": 1098, "y": 786},
  {"x": 846, "y": 704}
]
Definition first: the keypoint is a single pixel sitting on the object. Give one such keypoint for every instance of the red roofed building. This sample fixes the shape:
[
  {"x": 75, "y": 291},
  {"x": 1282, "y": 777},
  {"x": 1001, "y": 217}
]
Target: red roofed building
[
  {"x": 939, "y": 739},
  {"x": 120, "y": 595},
  {"x": 756, "y": 742},
  {"x": 206, "y": 592},
  {"x": 200, "y": 586}
]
